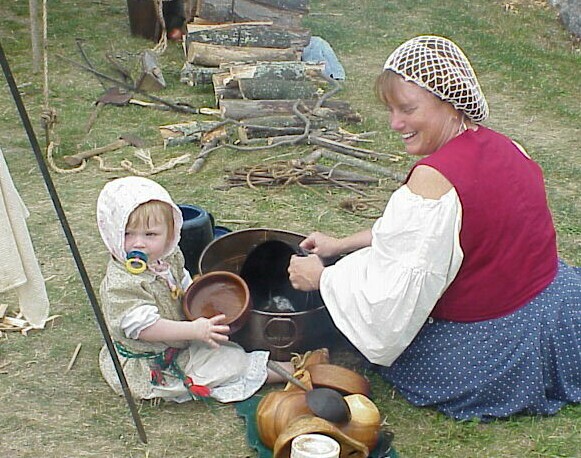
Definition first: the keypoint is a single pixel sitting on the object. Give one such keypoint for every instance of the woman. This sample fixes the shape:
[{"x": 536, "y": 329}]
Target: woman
[{"x": 457, "y": 292}]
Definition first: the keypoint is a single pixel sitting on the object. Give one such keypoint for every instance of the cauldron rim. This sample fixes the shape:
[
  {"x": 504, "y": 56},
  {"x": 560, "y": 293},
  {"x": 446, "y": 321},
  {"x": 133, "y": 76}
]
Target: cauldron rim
[
  {"x": 290, "y": 314},
  {"x": 237, "y": 233}
]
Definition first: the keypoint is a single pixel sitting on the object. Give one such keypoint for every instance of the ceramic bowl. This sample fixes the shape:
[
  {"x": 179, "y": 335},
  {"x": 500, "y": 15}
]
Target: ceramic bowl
[{"x": 215, "y": 293}]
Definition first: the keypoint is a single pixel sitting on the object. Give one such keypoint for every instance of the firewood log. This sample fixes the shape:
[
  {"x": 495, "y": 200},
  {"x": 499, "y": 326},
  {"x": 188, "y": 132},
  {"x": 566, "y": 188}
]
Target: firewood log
[
  {"x": 245, "y": 109},
  {"x": 248, "y": 34},
  {"x": 246, "y": 10},
  {"x": 293, "y": 70},
  {"x": 271, "y": 89},
  {"x": 211, "y": 55},
  {"x": 292, "y": 5},
  {"x": 195, "y": 75}
]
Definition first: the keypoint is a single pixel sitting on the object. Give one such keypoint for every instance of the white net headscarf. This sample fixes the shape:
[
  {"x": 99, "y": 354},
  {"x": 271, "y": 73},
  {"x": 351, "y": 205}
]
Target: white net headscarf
[{"x": 439, "y": 66}]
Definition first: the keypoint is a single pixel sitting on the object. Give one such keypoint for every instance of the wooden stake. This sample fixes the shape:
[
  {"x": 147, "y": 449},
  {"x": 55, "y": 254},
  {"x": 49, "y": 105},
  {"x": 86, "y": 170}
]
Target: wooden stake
[{"x": 74, "y": 357}]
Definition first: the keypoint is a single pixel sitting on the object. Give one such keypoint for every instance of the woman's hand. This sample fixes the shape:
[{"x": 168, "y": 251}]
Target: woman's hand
[
  {"x": 322, "y": 245},
  {"x": 210, "y": 331},
  {"x": 305, "y": 272},
  {"x": 326, "y": 246}
]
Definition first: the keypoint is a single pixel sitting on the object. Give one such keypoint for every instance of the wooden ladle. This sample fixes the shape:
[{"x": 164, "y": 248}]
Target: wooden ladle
[{"x": 325, "y": 403}]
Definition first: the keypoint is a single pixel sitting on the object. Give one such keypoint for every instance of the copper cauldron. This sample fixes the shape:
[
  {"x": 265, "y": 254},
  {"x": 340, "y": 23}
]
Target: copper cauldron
[{"x": 302, "y": 323}]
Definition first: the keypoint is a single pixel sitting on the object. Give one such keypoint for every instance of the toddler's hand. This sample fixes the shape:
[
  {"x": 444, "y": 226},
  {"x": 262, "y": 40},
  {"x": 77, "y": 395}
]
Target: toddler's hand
[{"x": 210, "y": 331}]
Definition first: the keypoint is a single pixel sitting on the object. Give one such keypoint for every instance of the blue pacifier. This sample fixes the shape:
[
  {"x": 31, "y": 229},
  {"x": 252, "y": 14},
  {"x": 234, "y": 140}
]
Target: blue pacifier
[{"x": 136, "y": 262}]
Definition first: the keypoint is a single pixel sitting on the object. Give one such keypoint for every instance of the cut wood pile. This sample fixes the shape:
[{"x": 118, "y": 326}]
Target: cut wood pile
[
  {"x": 266, "y": 96},
  {"x": 17, "y": 323},
  {"x": 251, "y": 51},
  {"x": 224, "y": 31}
]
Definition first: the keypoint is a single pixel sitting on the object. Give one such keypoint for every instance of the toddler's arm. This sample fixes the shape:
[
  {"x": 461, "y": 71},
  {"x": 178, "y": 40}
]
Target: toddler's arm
[{"x": 207, "y": 330}]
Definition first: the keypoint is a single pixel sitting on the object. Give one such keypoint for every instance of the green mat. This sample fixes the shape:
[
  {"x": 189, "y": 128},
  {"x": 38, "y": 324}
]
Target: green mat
[{"x": 247, "y": 410}]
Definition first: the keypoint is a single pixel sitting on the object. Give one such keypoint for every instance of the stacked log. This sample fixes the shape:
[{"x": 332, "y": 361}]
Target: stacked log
[
  {"x": 286, "y": 13},
  {"x": 224, "y": 31},
  {"x": 212, "y": 45},
  {"x": 250, "y": 50}
]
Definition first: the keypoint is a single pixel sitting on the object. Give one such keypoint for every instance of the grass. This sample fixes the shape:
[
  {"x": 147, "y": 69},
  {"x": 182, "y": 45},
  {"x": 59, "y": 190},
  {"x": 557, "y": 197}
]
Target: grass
[{"x": 528, "y": 66}]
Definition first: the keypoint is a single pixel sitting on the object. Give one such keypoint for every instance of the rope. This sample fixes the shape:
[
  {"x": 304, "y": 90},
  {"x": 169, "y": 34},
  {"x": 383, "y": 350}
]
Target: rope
[
  {"x": 363, "y": 207},
  {"x": 128, "y": 165},
  {"x": 55, "y": 167},
  {"x": 161, "y": 45}
]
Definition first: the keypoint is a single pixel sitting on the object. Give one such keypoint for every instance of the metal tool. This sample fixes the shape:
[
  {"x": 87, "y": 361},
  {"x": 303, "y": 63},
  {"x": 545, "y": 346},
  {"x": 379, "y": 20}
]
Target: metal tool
[{"x": 124, "y": 140}]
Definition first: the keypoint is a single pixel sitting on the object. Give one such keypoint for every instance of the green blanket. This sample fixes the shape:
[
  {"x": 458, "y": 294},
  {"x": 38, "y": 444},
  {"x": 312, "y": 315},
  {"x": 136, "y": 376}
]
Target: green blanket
[{"x": 247, "y": 410}]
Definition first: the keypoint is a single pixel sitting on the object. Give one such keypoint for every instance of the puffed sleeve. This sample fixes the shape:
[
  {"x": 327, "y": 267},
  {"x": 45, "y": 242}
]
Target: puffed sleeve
[
  {"x": 380, "y": 296},
  {"x": 137, "y": 319}
]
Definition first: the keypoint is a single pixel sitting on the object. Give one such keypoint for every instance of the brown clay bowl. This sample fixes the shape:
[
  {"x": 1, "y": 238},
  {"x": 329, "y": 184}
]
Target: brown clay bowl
[
  {"x": 339, "y": 378},
  {"x": 216, "y": 293},
  {"x": 276, "y": 410}
]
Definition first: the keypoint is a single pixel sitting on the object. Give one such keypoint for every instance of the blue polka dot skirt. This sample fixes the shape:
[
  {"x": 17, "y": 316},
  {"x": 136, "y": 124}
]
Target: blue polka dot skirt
[{"x": 528, "y": 361}]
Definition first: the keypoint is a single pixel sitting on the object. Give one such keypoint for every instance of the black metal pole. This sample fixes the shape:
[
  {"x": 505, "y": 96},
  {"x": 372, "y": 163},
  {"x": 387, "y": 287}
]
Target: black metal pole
[{"x": 71, "y": 241}]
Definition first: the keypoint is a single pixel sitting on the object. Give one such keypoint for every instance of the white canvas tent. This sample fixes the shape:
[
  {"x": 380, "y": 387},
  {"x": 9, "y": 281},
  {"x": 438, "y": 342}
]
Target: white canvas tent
[{"x": 19, "y": 269}]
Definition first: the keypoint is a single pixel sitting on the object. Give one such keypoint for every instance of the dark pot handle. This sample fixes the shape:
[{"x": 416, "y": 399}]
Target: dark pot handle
[{"x": 272, "y": 341}]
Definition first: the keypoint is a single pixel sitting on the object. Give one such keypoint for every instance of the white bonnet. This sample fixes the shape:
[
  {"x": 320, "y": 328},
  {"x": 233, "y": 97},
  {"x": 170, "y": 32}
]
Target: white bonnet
[
  {"x": 118, "y": 199},
  {"x": 439, "y": 66}
]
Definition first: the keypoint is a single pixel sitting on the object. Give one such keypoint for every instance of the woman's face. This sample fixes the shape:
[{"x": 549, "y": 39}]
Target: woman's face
[{"x": 425, "y": 122}]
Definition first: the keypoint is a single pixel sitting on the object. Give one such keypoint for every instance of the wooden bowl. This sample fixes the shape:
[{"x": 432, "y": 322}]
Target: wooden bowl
[
  {"x": 218, "y": 293},
  {"x": 339, "y": 378},
  {"x": 276, "y": 410},
  {"x": 365, "y": 423}
]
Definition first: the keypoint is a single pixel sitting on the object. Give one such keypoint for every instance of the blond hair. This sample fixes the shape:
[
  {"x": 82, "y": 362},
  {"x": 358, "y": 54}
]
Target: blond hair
[
  {"x": 384, "y": 85},
  {"x": 151, "y": 213}
]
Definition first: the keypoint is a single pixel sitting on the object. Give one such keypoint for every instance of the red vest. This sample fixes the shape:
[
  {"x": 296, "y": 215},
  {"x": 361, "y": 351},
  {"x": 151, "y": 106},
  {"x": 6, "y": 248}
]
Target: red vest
[{"x": 507, "y": 235}]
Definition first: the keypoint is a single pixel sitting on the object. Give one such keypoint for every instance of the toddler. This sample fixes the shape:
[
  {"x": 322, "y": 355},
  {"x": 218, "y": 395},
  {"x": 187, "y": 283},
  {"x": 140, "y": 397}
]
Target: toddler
[{"x": 162, "y": 355}]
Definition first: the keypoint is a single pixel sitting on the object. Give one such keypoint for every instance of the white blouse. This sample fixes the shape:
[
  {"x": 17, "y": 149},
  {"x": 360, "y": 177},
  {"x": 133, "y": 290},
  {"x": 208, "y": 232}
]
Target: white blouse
[
  {"x": 144, "y": 316},
  {"x": 380, "y": 296}
]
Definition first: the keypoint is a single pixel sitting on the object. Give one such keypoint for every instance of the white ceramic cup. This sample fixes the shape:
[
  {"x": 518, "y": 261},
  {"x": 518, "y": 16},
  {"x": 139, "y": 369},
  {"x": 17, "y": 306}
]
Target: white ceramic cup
[{"x": 314, "y": 446}]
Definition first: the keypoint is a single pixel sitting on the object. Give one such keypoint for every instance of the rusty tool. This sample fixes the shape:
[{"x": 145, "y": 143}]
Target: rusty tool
[
  {"x": 124, "y": 140},
  {"x": 179, "y": 107},
  {"x": 112, "y": 96}
]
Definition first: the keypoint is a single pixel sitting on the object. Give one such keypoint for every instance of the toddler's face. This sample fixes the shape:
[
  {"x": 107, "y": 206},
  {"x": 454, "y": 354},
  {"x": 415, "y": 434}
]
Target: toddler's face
[{"x": 151, "y": 240}]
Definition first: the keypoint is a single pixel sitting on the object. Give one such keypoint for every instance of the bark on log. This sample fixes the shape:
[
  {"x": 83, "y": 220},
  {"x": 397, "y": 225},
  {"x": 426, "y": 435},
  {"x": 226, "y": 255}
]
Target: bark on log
[
  {"x": 294, "y": 70},
  {"x": 213, "y": 55},
  {"x": 246, "y": 10},
  {"x": 151, "y": 78},
  {"x": 215, "y": 10},
  {"x": 225, "y": 87},
  {"x": 263, "y": 36},
  {"x": 186, "y": 129},
  {"x": 195, "y": 75},
  {"x": 246, "y": 109},
  {"x": 200, "y": 24},
  {"x": 271, "y": 89},
  {"x": 293, "y": 5}
]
